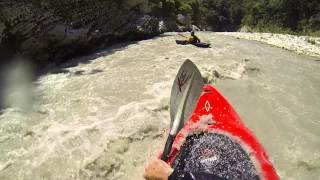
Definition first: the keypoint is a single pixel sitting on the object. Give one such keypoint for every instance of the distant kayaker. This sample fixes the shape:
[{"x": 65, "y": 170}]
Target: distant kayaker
[{"x": 193, "y": 38}]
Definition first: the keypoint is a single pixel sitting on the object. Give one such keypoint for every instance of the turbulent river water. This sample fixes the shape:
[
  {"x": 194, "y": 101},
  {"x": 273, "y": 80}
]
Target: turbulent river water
[{"x": 104, "y": 116}]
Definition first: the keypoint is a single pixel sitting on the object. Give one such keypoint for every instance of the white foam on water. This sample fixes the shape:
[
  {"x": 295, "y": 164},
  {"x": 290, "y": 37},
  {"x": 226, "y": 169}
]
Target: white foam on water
[{"x": 105, "y": 117}]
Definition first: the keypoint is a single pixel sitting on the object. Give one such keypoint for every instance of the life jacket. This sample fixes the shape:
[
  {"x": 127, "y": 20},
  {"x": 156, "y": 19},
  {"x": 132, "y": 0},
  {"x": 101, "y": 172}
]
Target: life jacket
[{"x": 193, "y": 39}]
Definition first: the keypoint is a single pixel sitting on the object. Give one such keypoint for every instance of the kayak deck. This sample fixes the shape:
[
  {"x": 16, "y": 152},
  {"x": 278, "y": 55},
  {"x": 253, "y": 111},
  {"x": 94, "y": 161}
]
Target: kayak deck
[{"x": 214, "y": 115}]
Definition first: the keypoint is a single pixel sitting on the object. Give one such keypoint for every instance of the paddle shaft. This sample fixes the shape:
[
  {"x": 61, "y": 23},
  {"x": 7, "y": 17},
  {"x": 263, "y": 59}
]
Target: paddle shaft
[
  {"x": 176, "y": 126},
  {"x": 167, "y": 148},
  {"x": 183, "y": 35}
]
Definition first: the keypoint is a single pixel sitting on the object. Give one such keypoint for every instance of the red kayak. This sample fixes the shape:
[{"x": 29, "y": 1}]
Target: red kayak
[{"x": 214, "y": 115}]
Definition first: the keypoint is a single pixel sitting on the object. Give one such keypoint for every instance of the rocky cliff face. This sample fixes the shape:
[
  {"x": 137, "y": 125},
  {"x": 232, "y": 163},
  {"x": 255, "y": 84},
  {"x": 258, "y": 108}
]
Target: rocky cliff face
[{"x": 49, "y": 31}]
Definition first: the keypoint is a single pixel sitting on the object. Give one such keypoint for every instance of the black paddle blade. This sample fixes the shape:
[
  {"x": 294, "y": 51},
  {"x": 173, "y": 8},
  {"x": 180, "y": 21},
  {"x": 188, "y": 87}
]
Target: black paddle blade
[{"x": 180, "y": 85}]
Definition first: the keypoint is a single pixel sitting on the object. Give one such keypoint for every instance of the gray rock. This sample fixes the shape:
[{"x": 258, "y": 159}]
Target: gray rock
[
  {"x": 184, "y": 20},
  {"x": 209, "y": 28},
  {"x": 245, "y": 29},
  {"x": 168, "y": 25},
  {"x": 162, "y": 26},
  {"x": 315, "y": 18},
  {"x": 146, "y": 25},
  {"x": 184, "y": 28},
  {"x": 195, "y": 28}
]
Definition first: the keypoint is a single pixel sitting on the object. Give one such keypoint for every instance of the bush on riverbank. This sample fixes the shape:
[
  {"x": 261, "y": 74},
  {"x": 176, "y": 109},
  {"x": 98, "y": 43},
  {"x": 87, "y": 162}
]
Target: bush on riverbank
[
  {"x": 283, "y": 16},
  {"x": 301, "y": 17}
]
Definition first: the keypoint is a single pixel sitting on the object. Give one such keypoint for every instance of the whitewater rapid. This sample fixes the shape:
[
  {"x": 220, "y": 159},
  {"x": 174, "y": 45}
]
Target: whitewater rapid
[{"x": 104, "y": 116}]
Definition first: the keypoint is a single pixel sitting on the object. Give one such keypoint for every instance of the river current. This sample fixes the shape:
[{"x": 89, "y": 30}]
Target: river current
[{"x": 104, "y": 116}]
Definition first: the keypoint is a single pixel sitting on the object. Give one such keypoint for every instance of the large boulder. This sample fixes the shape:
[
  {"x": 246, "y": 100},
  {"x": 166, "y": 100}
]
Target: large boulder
[
  {"x": 49, "y": 31},
  {"x": 245, "y": 29},
  {"x": 184, "y": 22},
  {"x": 195, "y": 28},
  {"x": 315, "y": 19},
  {"x": 168, "y": 25}
]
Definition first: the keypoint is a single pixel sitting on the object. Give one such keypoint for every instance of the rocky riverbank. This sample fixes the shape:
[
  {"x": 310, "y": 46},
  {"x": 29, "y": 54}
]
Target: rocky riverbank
[
  {"x": 52, "y": 31},
  {"x": 300, "y": 44}
]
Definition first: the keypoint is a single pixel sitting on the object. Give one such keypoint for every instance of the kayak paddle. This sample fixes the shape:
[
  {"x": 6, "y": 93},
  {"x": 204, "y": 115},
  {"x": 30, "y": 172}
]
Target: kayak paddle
[
  {"x": 183, "y": 36},
  {"x": 185, "y": 93}
]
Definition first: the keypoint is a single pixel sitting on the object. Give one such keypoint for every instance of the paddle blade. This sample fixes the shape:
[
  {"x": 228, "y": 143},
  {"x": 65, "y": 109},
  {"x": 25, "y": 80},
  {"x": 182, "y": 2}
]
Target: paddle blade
[{"x": 180, "y": 85}]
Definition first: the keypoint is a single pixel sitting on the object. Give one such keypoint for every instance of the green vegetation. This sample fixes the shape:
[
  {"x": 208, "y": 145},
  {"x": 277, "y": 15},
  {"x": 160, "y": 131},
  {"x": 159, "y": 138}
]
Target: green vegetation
[
  {"x": 278, "y": 16},
  {"x": 288, "y": 16}
]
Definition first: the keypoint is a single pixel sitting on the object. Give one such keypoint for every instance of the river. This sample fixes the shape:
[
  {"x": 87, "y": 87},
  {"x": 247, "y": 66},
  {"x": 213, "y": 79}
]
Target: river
[{"x": 104, "y": 116}]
